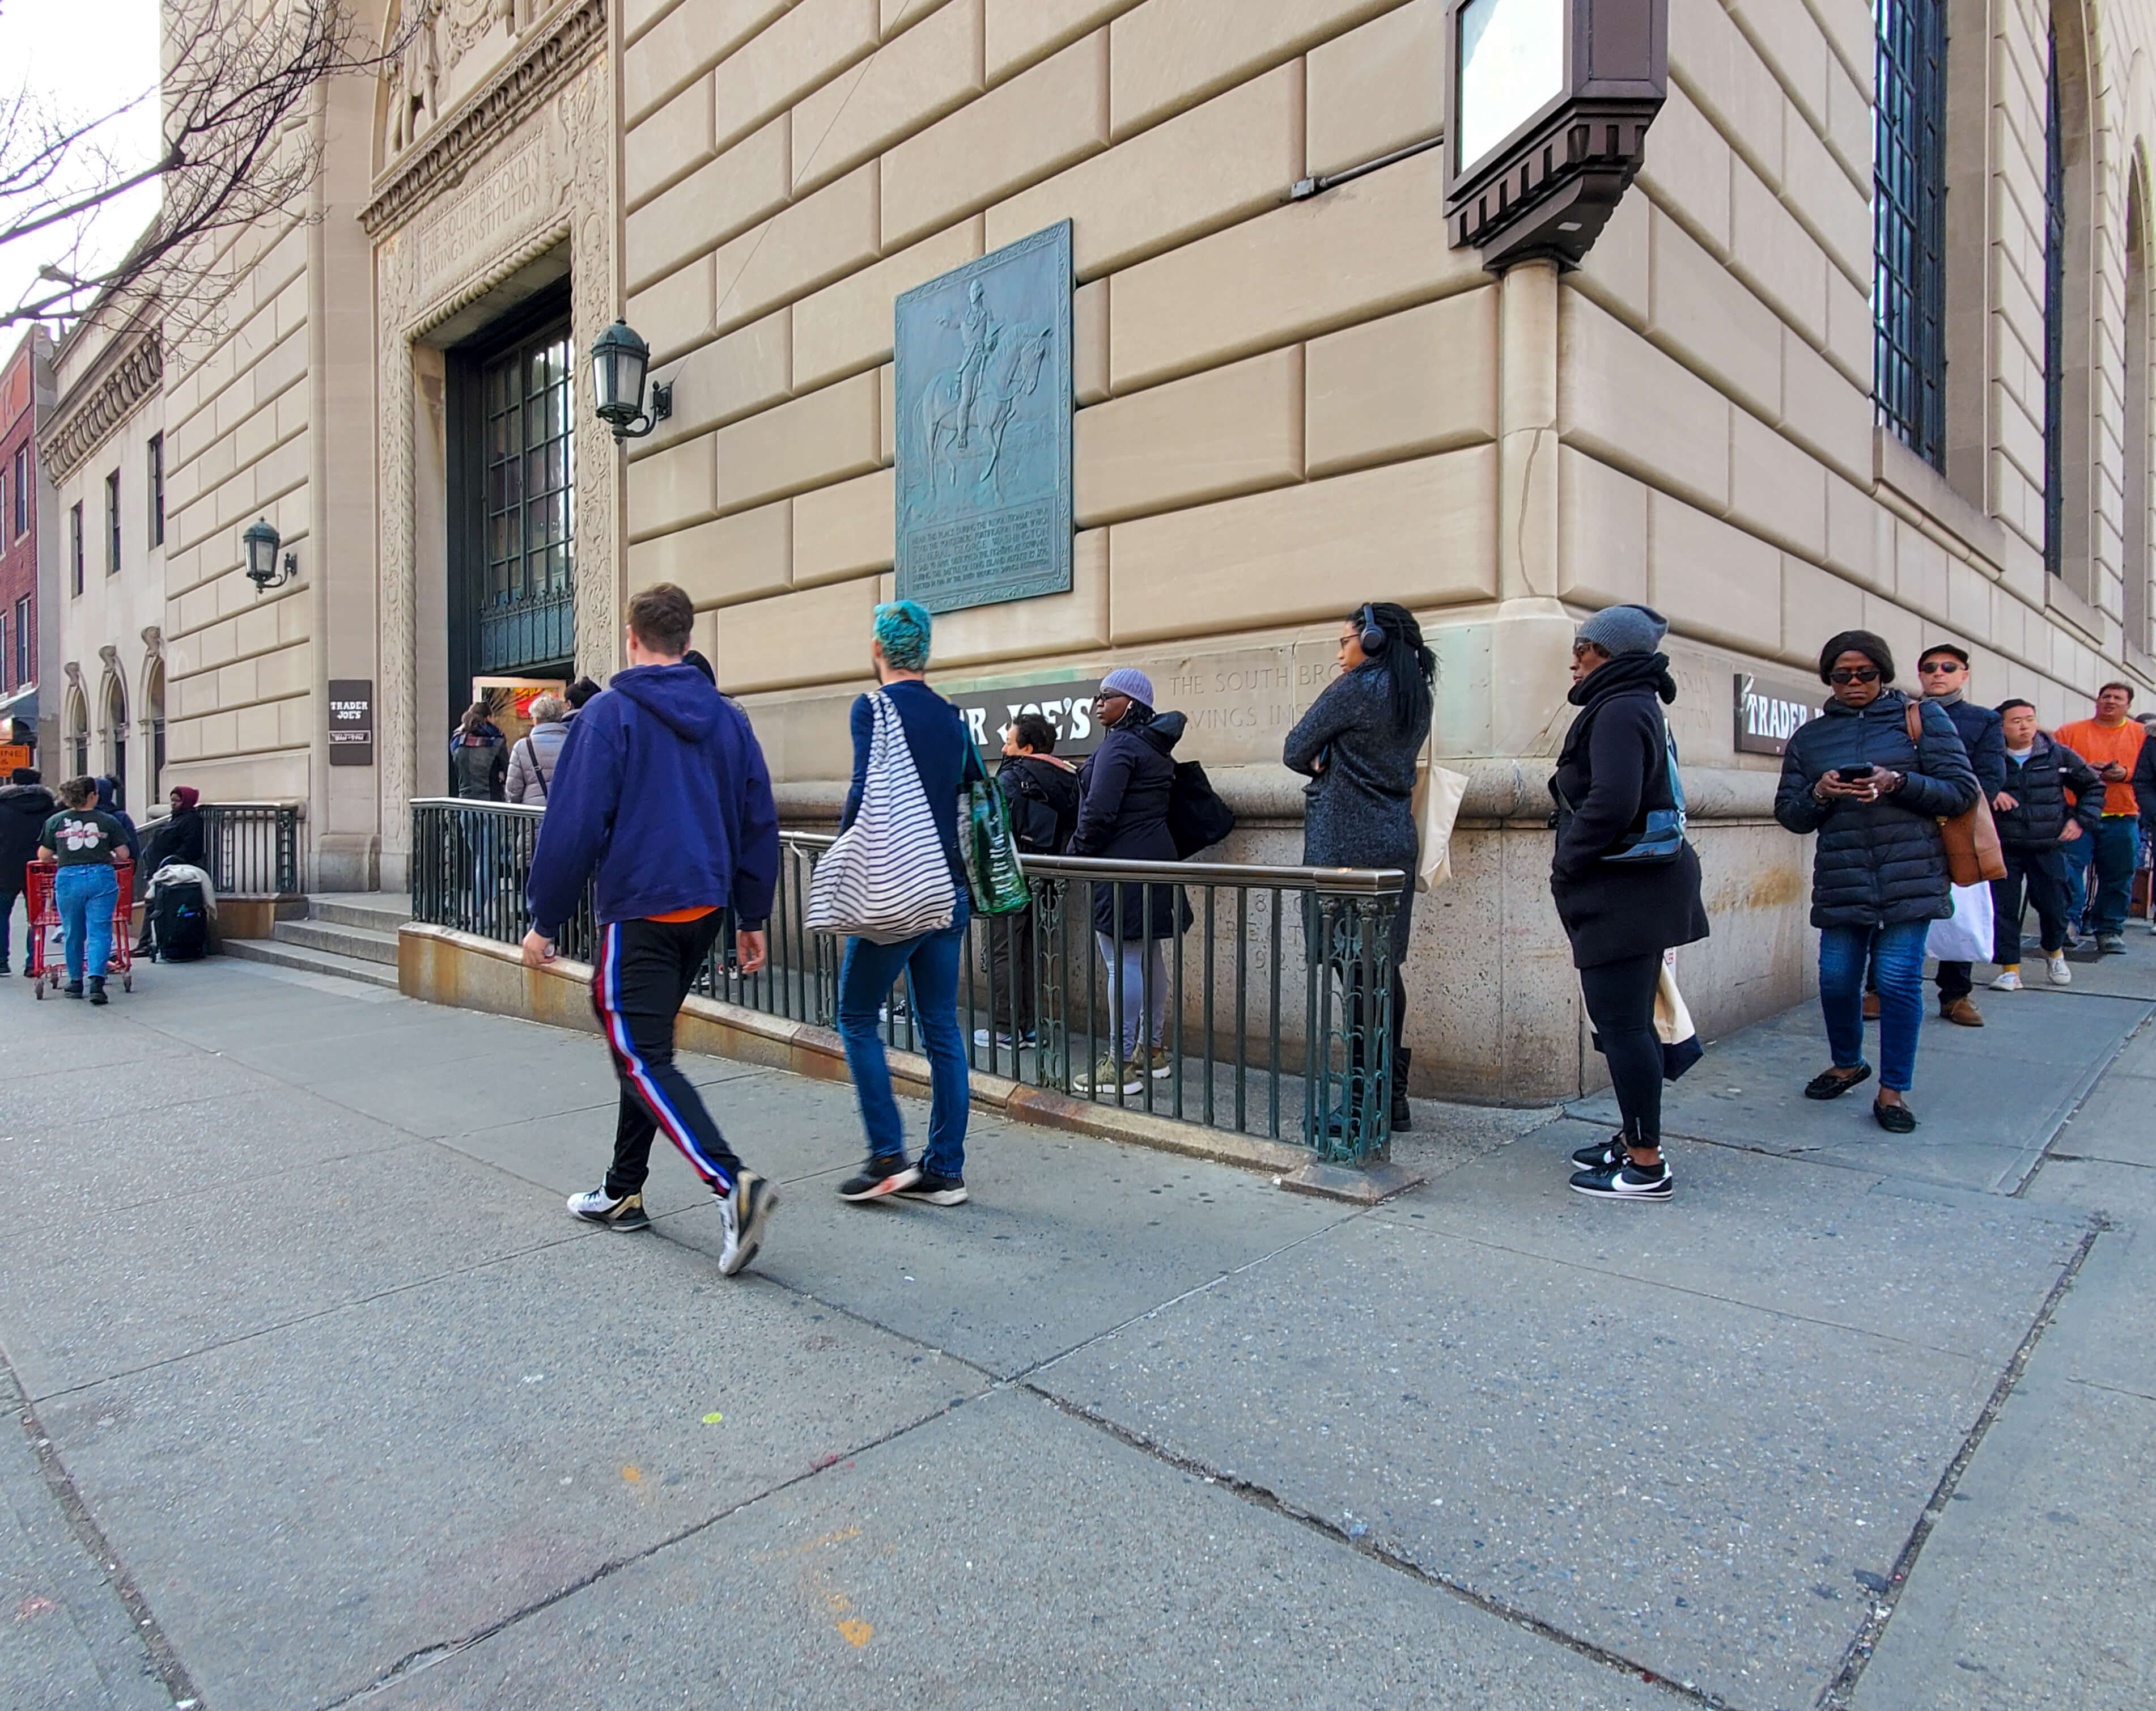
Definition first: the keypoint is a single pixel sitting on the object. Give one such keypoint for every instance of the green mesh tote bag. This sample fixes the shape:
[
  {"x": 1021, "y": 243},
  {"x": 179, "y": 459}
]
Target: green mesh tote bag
[
  {"x": 992, "y": 869},
  {"x": 885, "y": 877}
]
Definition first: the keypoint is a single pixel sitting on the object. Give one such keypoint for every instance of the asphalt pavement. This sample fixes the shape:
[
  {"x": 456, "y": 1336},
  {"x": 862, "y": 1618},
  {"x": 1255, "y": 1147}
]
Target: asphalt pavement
[{"x": 325, "y": 1402}]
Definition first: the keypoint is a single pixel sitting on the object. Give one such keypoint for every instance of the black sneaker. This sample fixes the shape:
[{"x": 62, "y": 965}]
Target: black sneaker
[
  {"x": 1603, "y": 1155},
  {"x": 2111, "y": 944},
  {"x": 97, "y": 990},
  {"x": 937, "y": 1190},
  {"x": 600, "y": 1207},
  {"x": 880, "y": 1177},
  {"x": 1624, "y": 1182},
  {"x": 74, "y": 988}
]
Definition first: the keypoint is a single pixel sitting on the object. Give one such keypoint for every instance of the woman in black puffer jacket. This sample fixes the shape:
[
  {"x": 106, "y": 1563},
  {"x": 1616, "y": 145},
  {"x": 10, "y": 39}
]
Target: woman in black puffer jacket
[
  {"x": 1879, "y": 875},
  {"x": 1621, "y": 916}
]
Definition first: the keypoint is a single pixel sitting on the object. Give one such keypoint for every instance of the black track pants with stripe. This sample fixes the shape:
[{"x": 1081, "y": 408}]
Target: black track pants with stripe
[{"x": 645, "y": 970}]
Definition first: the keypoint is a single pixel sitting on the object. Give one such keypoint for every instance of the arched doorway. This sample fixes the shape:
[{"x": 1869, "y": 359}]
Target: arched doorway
[
  {"x": 78, "y": 734},
  {"x": 115, "y": 736},
  {"x": 153, "y": 729}
]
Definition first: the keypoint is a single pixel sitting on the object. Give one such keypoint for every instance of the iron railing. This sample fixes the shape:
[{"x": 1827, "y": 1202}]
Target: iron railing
[
  {"x": 249, "y": 848},
  {"x": 1270, "y": 1001}
]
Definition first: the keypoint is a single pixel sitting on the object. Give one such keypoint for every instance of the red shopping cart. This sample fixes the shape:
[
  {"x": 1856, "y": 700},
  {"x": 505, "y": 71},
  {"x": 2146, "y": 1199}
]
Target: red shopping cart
[{"x": 48, "y": 962}]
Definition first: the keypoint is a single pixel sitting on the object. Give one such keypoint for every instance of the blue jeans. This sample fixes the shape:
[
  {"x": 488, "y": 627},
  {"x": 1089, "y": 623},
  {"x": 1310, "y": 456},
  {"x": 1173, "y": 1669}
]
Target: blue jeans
[
  {"x": 1896, "y": 954},
  {"x": 86, "y": 895},
  {"x": 2113, "y": 852},
  {"x": 931, "y": 965}
]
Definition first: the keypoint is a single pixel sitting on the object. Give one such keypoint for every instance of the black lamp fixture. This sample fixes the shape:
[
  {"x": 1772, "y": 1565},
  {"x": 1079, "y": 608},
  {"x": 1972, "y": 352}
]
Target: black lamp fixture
[
  {"x": 1546, "y": 119},
  {"x": 620, "y": 360},
  {"x": 259, "y": 537}
]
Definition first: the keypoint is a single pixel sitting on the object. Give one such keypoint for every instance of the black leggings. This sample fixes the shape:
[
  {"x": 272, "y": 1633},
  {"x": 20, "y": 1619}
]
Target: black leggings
[{"x": 1620, "y": 1003}]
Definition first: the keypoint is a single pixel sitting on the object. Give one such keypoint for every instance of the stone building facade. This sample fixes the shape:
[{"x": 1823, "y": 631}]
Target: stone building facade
[
  {"x": 26, "y": 395},
  {"x": 103, "y": 582},
  {"x": 1286, "y": 402}
]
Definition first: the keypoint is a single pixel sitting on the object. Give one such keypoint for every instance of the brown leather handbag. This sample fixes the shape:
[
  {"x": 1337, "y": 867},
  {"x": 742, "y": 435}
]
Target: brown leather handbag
[{"x": 1972, "y": 840}]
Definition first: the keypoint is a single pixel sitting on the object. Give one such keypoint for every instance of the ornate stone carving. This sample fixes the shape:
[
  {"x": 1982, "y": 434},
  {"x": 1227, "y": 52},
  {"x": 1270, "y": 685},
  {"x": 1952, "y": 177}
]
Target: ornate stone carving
[
  {"x": 531, "y": 189},
  {"x": 552, "y": 56},
  {"x": 112, "y": 392}
]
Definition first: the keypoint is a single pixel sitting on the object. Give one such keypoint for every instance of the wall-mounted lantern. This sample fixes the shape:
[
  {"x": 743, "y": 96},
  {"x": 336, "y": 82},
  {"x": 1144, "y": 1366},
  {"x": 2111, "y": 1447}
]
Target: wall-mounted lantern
[
  {"x": 620, "y": 360},
  {"x": 1546, "y": 119},
  {"x": 259, "y": 537}
]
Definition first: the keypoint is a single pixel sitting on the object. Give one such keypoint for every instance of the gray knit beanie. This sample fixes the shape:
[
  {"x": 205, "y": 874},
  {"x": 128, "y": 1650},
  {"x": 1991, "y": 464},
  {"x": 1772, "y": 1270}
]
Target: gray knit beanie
[
  {"x": 1128, "y": 680},
  {"x": 1625, "y": 629}
]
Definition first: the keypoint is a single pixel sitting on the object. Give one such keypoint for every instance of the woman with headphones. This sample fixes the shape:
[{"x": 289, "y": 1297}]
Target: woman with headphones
[{"x": 1359, "y": 744}]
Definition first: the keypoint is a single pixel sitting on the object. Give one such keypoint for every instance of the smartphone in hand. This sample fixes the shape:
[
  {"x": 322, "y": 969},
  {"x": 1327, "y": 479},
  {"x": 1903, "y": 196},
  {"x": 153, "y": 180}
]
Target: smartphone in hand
[{"x": 1851, "y": 775}]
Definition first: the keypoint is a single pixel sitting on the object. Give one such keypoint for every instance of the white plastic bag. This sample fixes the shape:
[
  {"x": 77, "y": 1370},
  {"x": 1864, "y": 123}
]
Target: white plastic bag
[{"x": 1966, "y": 936}]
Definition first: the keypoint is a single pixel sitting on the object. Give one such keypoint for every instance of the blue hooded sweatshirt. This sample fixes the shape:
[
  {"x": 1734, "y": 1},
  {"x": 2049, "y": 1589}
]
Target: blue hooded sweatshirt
[{"x": 662, "y": 786}]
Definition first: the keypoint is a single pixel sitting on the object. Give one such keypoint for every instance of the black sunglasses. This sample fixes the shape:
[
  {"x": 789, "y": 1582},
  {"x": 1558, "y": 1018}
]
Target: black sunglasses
[
  {"x": 1853, "y": 674},
  {"x": 1930, "y": 665}
]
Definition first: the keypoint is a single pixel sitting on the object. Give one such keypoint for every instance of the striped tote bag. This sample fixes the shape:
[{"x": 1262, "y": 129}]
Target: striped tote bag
[{"x": 885, "y": 877}]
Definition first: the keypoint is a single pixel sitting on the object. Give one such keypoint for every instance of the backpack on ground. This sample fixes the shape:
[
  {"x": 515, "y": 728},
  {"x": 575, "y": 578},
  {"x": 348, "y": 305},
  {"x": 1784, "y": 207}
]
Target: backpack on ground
[
  {"x": 1197, "y": 818},
  {"x": 179, "y": 916}
]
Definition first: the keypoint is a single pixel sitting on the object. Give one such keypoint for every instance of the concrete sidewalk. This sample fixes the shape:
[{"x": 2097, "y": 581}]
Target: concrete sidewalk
[{"x": 327, "y": 1401}]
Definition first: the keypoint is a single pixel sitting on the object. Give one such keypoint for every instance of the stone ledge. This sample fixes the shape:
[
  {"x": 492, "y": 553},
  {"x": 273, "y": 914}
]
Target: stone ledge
[{"x": 440, "y": 965}]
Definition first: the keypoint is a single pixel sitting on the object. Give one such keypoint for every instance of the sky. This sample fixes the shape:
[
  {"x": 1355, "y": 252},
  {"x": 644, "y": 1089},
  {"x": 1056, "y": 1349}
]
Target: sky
[{"x": 83, "y": 58}]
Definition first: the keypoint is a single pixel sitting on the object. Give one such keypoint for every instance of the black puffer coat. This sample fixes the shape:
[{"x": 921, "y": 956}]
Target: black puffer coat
[
  {"x": 24, "y": 809},
  {"x": 1123, "y": 812},
  {"x": 1877, "y": 862},
  {"x": 2039, "y": 786},
  {"x": 1615, "y": 768}
]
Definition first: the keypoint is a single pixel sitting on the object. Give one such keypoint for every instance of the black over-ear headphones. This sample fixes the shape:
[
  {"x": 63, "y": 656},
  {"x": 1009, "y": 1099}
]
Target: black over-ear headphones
[{"x": 1373, "y": 639}]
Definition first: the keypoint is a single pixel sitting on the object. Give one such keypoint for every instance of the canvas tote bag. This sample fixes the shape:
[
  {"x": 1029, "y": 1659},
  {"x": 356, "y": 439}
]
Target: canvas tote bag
[
  {"x": 885, "y": 878},
  {"x": 1970, "y": 837},
  {"x": 1439, "y": 791}
]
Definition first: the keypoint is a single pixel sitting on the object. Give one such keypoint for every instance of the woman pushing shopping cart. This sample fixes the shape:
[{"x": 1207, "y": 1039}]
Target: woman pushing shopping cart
[{"x": 81, "y": 885}]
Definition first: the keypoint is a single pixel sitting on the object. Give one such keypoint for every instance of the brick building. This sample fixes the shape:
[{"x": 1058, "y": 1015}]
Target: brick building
[
  {"x": 26, "y": 386},
  {"x": 1839, "y": 357}
]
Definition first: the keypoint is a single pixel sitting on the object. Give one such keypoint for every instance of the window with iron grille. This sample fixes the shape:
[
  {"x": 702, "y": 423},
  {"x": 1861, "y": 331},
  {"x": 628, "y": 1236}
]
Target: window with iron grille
[
  {"x": 157, "y": 489},
  {"x": 2055, "y": 318},
  {"x": 527, "y": 596},
  {"x": 1908, "y": 231},
  {"x": 112, "y": 524}
]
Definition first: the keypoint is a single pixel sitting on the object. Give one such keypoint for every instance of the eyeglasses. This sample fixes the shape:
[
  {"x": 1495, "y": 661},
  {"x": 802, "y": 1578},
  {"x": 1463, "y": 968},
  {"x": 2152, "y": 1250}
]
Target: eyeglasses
[
  {"x": 1853, "y": 674},
  {"x": 1948, "y": 667}
]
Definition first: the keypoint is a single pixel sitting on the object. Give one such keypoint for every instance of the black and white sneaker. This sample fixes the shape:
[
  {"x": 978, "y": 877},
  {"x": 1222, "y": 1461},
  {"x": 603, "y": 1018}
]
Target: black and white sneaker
[
  {"x": 743, "y": 1216},
  {"x": 1624, "y": 1182},
  {"x": 1603, "y": 1155},
  {"x": 938, "y": 1191},
  {"x": 600, "y": 1207},
  {"x": 879, "y": 1177}
]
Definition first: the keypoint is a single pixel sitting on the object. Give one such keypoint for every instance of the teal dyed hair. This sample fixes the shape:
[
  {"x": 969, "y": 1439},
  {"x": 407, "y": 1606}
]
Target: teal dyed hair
[{"x": 902, "y": 628}]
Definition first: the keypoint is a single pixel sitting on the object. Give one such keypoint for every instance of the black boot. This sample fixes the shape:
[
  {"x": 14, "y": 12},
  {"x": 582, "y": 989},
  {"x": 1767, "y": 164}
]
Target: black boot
[
  {"x": 74, "y": 988},
  {"x": 1403, "y": 1114},
  {"x": 97, "y": 989}
]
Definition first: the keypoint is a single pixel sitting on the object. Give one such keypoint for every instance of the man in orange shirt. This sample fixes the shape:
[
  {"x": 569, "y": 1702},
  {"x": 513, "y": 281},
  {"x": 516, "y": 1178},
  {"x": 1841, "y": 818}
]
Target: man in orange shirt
[{"x": 2111, "y": 743}]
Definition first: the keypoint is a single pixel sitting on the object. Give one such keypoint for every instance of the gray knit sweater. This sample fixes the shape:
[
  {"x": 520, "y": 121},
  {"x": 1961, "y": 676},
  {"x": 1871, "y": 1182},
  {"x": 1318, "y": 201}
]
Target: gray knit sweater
[{"x": 1357, "y": 812}]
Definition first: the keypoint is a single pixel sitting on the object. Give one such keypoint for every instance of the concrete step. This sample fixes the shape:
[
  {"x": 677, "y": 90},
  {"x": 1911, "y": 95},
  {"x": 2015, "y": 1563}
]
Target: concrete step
[
  {"x": 379, "y": 911},
  {"x": 365, "y": 944},
  {"x": 314, "y": 962}
]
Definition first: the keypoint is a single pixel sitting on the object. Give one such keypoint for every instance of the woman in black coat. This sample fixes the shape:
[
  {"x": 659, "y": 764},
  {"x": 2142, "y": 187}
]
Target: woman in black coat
[
  {"x": 1358, "y": 744},
  {"x": 1122, "y": 812},
  {"x": 1613, "y": 771},
  {"x": 1879, "y": 873}
]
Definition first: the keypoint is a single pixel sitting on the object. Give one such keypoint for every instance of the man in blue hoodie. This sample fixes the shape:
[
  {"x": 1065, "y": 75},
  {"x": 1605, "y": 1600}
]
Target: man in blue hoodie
[{"x": 662, "y": 788}]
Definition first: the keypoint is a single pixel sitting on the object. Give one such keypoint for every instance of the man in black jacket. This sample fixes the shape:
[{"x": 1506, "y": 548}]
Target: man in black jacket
[
  {"x": 2035, "y": 819},
  {"x": 1943, "y": 671},
  {"x": 25, "y": 805},
  {"x": 1041, "y": 793}
]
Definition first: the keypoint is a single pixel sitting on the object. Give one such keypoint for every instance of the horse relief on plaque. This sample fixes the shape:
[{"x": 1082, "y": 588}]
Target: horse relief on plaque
[{"x": 983, "y": 423}]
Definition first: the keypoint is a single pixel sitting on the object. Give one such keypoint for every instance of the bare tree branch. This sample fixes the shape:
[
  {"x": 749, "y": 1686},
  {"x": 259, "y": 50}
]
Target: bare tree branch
[{"x": 242, "y": 80}]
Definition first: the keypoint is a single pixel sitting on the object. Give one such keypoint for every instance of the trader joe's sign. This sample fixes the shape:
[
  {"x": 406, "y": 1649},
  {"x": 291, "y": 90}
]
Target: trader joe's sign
[{"x": 1769, "y": 710}]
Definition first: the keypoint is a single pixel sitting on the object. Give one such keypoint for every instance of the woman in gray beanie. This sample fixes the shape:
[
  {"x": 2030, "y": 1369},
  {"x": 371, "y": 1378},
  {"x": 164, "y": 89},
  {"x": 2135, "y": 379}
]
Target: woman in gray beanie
[
  {"x": 1621, "y": 915},
  {"x": 1357, "y": 745},
  {"x": 1122, "y": 811}
]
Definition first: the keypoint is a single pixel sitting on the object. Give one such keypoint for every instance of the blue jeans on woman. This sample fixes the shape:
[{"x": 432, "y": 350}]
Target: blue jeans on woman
[
  {"x": 86, "y": 895},
  {"x": 1896, "y": 954},
  {"x": 931, "y": 965}
]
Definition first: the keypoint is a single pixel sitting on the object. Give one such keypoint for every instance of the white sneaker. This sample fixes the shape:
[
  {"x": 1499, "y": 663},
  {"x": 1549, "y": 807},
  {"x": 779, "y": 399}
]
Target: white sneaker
[
  {"x": 2054, "y": 966},
  {"x": 742, "y": 1215},
  {"x": 2006, "y": 980}
]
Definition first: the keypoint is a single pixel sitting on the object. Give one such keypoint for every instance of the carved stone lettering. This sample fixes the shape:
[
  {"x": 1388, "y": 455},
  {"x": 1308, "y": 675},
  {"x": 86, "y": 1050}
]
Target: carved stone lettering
[{"x": 477, "y": 222}]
